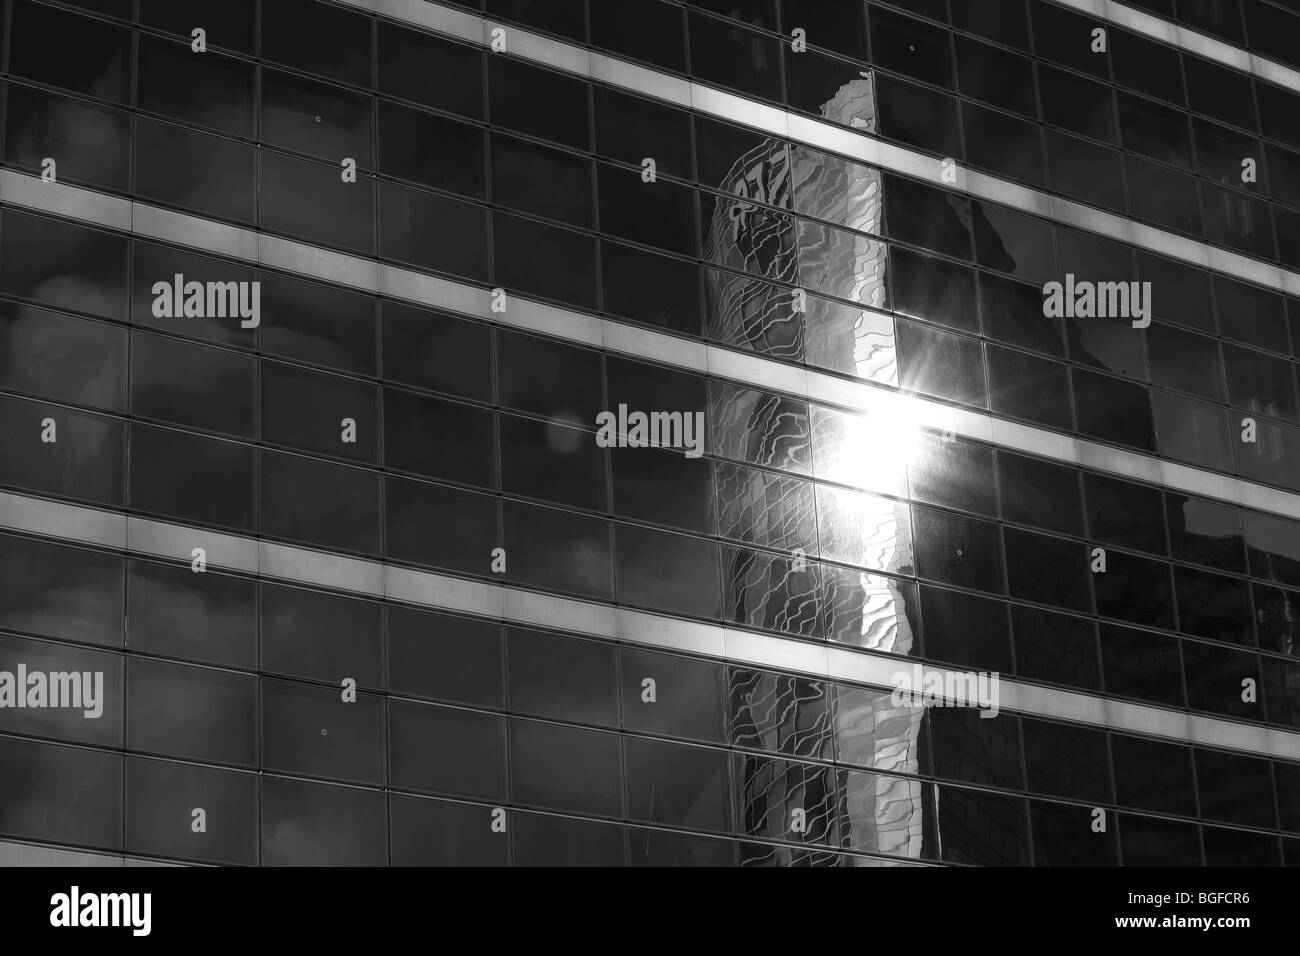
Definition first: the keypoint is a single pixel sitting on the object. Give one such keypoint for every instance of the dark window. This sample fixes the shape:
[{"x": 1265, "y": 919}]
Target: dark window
[
  {"x": 1078, "y": 104},
  {"x": 933, "y": 289},
  {"x": 1219, "y": 92},
  {"x": 1235, "y": 789},
  {"x": 156, "y": 267},
  {"x": 966, "y": 630},
  {"x": 194, "y": 385},
  {"x": 311, "y": 730},
  {"x": 1047, "y": 570},
  {"x": 565, "y": 768},
  {"x": 432, "y": 231},
  {"x": 321, "y": 503},
  {"x": 657, "y": 214},
  {"x": 677, "y": 785},
  {"x": 436, "y": 351},
  {"x": 1013, "y": 312},
  {"x": 1006, "y": 145},
  {"x": 84, "y": 460},
  {"x": 440, "y": 526},
  {"x": 917, "y": 116},
  {"x": 927, "y": 217},
  {"x": 321, "y": 636},
  {"x": 208, "y": 175},
  {"x": 34, "y": 592},
  {"x": 973, "y": 748},
  {"x": 911, "y": 47},
  {"x": 642, "y": 29},
  {"x": 301, "y": 822},
  {"x": 61, "y": 793},
  {"x": 1113, "y": 410},
  {"x": 552, "y": 379},
  {"x": 1192, "y": 431},
  {"x": 1084, "y": 776},
  {"x": 664, "y": 487},
  {"x": 1205, "y": 532},
  {"x": 670, "y": 572},
  {"x": 688, "y": 695},
  {"x": 958, "y": 550},
  {"x": 310, "y": 117},
  {"x": 519, "y": 170},
  {"x": 182, "y": 476},
  {"x": 650, "y": 288},
  {"x": 1148, "y": 841},
  {"x": 1040, "y": 493},
  {"x": 195, "y": 712},
  {"x": 228, "y": 23},
  {"x": 310, "y": 201},
  {"x": 70, "y": 51},
  {"x": 442, "y": 750},
  {"x": 62, "y": 357},
  {"x": 734, "y": 57},
  {"x": 89, "y": 144},
  {"x": 62, "y": 265},
  {"x": 1141, "y": 664},
  {"x": 1215, "y": 678},
  {"x": 312, "y": 322},
  {"x": 995, "y": 76},
  {"x": 982, "y": 829},
  {"x": 1184, "y": 361},
  {"x": 318, "y": 412},
  {"x": 444, "y": 657},
  {"x": 1124, "y": 514},
  {"x": 557, "y": 549},
  {"x": 1156, "y": 131},
  {"x": 1164, "y": 196},
  {"x": 430, "y": 70},
  {"x": 566, "y": 18},
  {"x": 538, "y": 102},
  {"x": 439, "y": 439},
  {"x": 318, "y": 38},
  {"x": 561, "y": 678},
  {"x": 201, "y": 617},
  {"x": 1026, "y": 386},
  {"x": 631, "y": 129},
  {"x": 156, "y": 823},
  {"x": 1151, "y": 775},
  {"x": 1055, "y": 648},
  {"x": 537, "y": 259},
  {"x": 441, "y": 833},
  {"x": 1144, "y": 65}
]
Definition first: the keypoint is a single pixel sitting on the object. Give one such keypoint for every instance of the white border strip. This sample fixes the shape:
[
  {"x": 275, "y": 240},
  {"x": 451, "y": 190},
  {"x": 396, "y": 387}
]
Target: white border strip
[
  {"x": 1175, "y": 34},
  {"x": 515, "y": 605},
  {"x": 812, "y": 132},
  {"x": 368, "y": 275}
]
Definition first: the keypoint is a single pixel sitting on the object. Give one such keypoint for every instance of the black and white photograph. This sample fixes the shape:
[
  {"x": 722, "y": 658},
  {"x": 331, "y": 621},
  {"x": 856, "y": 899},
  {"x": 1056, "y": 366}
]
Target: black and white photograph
[{"x": 650, "y": 434}]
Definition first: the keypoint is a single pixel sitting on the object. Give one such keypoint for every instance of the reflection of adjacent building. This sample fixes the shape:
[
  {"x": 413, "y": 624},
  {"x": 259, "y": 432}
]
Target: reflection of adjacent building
[{"x": 766, "y": 304}]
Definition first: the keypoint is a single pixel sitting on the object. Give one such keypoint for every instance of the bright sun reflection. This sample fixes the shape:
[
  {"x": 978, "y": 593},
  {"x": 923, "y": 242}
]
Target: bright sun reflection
[{"x": 876, "y": 449}]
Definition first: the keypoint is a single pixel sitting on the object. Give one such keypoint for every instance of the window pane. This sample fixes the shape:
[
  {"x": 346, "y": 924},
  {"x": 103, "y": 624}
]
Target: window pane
[
  {"x": 339, "y": 46},
  {"x": 84, "y": 461},
  {"x": 562, "y": 678},
  {"x": 565, "y": 768},
  {"x": 442, "y": 750},
  {"x": 191, "y": 478},
  {"x": 159, "y": 798},
  {"x": 313, "y": 824},
  {"x": 62, "y": 357},
  {"x": 207, "y": 388},
  {"x": 321, "y": 503},
  {"x": 201, "y": 617},
  {"x": 88, "y": 143},
  {"x": 102, "y": 66},
  {"x": 444, "y": 657},
  {"x": 436, "y": 351},
  {"x": 197, "y": 712},
  {"x": 310, "y": 117},
  {"x": 208, "y": 90},
  {"x": 317, "y": 323},
  {"x": 431, "y": 150},
  {"x": 430, "y": 70},
  {"x": 205, "y": 174},
  {"x": 310, "y": 201},
  {"x": 67, "y": 593},
  {"x": 321, "y": 636},
  {"x": 312, "y": 410},
  {"x": 445, "y": 527}
]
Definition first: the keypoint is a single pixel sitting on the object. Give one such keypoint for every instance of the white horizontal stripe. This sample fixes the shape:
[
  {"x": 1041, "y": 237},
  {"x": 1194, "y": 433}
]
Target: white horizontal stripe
[
  {"x": 812, "y": 132},
  {"x": 515, "y": 605},
  {"x": 636, "y": 342},
  {"x": 1212, "y": 48}
]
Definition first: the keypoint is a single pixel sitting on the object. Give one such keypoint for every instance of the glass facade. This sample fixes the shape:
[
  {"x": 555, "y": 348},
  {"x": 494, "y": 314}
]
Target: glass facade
[{"x": 464, "y": 251}]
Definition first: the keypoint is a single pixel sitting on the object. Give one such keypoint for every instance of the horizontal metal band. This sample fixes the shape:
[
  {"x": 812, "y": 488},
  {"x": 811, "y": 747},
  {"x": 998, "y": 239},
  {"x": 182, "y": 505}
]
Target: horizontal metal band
[
  {"x": 515, "y": 605},
  {"x": 800, "y": 128},
  {"x": 369, "y": 275},
  {"x": 1185, "y": 38}
]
